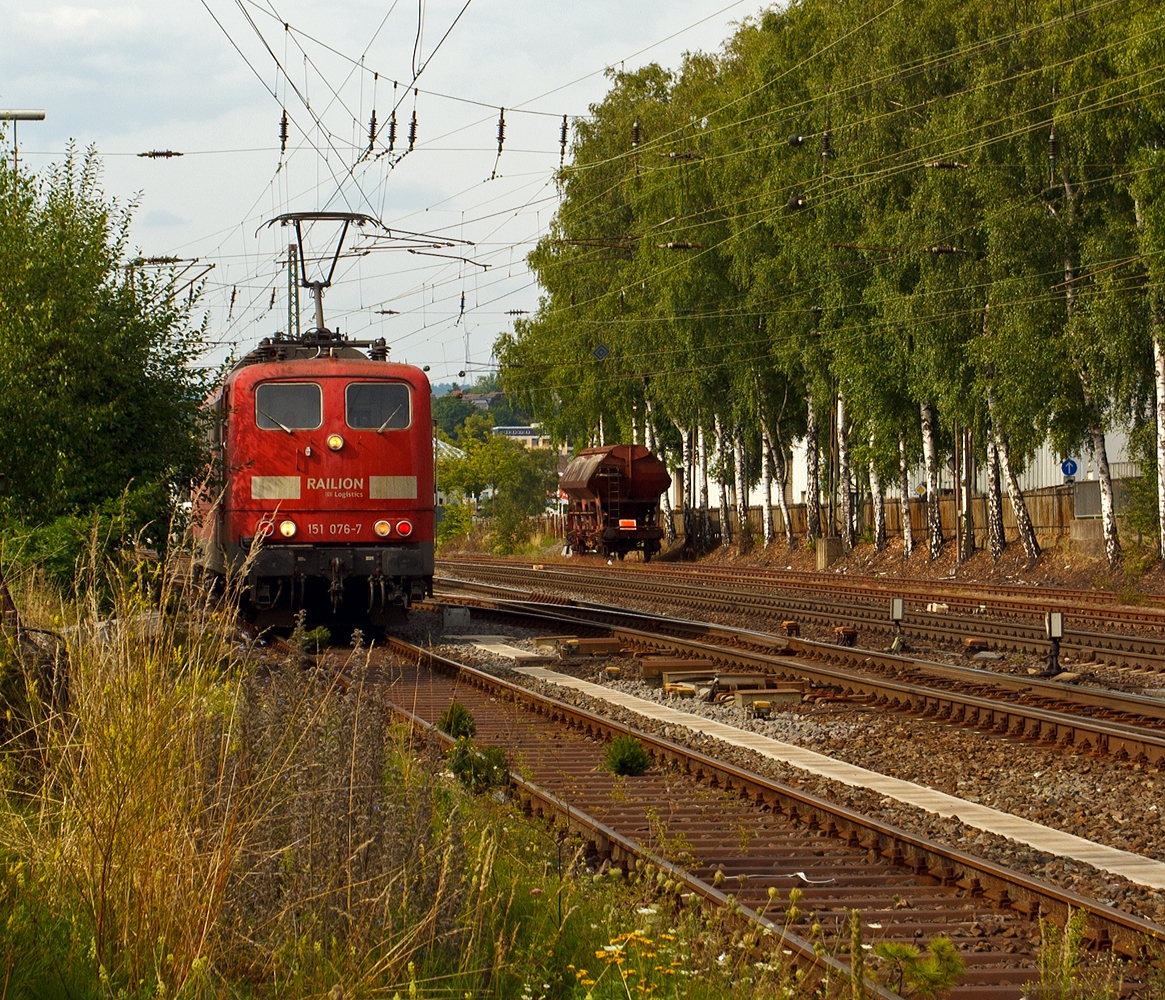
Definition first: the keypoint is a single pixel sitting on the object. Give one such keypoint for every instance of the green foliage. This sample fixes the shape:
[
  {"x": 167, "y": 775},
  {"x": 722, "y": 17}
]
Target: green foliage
[
  {"x": 457, "y": 523},
  {"x": 625, "y": 755},
  {"x": 449, "y": 413},
  {"x": 932, "y": 253},
  {"x": 511, "y": 483},
  {"x": 142, "y": 514},
  {"x": 319, "y": 638},
  {"x": 97, "y": 389},
  {"x": 912, "y": 973},
  {"x": 1066, "y": 970},
  {"x": 478, "y": 768},
  {"x": 457, "y": 721}
]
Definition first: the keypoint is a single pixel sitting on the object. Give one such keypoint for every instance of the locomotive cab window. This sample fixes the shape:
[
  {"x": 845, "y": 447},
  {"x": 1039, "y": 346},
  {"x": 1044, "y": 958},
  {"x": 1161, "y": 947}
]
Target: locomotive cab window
[
  {"x": 288, "y": 406},
  {"x": 378, "y": 406}
]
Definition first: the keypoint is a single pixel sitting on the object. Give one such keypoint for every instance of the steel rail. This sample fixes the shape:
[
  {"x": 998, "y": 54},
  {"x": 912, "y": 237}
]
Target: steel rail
[
  {"x": 1007, "y": 889},
  {"x": 1034, "y": 600},
  {"x": 607, "y": 843},
  {"x": 1112, "y": 648},
  {"x": 1035, "y": 710}
]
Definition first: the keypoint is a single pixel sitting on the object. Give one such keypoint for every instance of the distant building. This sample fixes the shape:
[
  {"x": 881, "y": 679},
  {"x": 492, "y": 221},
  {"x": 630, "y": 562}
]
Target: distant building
[
  {"x": 530, "y": 436},
  {"x": 482, "y": 400}
]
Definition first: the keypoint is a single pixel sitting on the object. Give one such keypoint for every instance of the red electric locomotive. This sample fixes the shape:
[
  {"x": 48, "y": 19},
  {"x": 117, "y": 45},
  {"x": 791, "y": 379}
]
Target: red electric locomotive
[{"x": 324, "y": 454}]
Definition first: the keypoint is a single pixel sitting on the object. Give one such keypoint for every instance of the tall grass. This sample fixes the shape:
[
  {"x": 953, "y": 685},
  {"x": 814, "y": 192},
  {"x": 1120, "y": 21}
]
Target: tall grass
[{"x": 193, "y": 815}]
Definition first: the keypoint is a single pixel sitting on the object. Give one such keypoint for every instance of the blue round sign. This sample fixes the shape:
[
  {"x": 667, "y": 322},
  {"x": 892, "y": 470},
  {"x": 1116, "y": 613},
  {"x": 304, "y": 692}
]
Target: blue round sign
[{"x": 1068, "y": 467}]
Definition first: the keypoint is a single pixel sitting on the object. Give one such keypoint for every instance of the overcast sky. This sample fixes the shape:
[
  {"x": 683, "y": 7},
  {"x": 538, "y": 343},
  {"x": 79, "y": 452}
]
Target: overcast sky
[{"x": 134, "y": 76}]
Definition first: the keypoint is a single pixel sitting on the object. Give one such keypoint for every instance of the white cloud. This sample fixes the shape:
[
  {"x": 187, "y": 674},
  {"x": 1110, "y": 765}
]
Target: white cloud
[
  {"x": 84, "y": 21},
  {"x": 161, "y": 217}
]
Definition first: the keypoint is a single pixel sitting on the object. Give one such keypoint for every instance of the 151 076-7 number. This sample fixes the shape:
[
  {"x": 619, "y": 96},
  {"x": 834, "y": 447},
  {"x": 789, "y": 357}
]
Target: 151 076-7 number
[{"x": 339, "y": 528}]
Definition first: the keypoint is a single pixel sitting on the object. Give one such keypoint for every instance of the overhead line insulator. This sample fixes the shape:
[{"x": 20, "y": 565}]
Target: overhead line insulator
[
  {"x": 636, "y": 134},
  {"x": 562, "y": 137},
  {"x": 372, "y": 130},
  {"x": 501, "y": 129},
  {"x": 283, "y": 133}
]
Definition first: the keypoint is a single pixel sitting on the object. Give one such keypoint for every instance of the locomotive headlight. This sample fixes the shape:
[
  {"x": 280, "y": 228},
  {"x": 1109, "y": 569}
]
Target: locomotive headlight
[
  {"x": 335, "y": 442},
  {"x": 287, "y": 528},
  {"x": 404, "y": 528},
  {"x": 382, "y": 528}
]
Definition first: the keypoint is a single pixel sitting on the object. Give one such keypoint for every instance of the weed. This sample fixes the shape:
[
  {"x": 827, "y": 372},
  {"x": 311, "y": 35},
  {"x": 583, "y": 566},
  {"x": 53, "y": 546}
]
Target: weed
[
  {"x": 1065, "y": 970},
  {"x": 911, "y": 973},
  {"x": 478, "y": 768},
  {"x": 457, "y": 721},
  {"x": 626, "y": 756},
  {"x": 675, "y": 848},
  {"x": 319, "y": 638}
]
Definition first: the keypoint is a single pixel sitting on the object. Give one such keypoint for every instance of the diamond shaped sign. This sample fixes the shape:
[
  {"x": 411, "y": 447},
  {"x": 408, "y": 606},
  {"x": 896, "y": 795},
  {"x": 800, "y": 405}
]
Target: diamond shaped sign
[{"x": 601, "y": 352}]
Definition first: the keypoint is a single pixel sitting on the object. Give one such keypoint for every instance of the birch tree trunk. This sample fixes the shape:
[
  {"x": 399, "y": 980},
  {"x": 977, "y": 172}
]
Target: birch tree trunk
[
  {"x": 687, "y": 483},
  {"x": 1027, "y": 534},
  {"x": 766, "y": 485},
  {"x": 1112, "y": 545},
  {"x": 904, "y": 489},
  {"x": 704, "y": 531},
  {"x": 812, "y": 471},
  {"x": 844, "y": 478},
  {"x": 722, "y": 485},
  {"x": 995, "y": 532},
  {"x": 781, "y": 466},
  {"x": 967, "y": 472},
  {"x": 669, "y": 519},
  {"x": 879, "y": 500},
  {"x": 934, "y": 523},
  {"x": 740, "y": 462},
  {"x": 1155, "y": 311},
  {"x": 1159, "y": 384}
]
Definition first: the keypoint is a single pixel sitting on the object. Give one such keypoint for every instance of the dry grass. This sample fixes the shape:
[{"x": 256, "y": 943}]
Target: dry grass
[{"x": 192, "y": 816}]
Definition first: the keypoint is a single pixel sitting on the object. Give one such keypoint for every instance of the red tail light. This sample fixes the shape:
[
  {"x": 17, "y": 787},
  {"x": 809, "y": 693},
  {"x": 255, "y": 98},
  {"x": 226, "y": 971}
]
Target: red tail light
[{"x": 404, "y": 528}]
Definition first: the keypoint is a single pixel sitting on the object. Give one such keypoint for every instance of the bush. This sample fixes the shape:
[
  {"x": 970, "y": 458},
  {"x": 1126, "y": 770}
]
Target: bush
[
  {"x": 457, "y": 721},
  {"x": 626, "y": 756},
  {"x": 457, "y": 522},
  {"x": 318, "y": 638},
  {"x": 478, "y": 768}
]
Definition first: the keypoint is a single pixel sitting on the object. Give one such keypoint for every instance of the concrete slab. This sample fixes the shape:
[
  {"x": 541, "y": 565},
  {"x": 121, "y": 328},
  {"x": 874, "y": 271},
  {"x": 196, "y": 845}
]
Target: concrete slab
[
  {"x": 497, "y": 645},
  {"x": 1135, "y": 867}
]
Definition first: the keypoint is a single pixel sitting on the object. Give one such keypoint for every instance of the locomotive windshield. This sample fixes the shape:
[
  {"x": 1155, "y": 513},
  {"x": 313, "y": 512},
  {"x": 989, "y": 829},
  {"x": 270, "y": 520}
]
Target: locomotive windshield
[
  {"x": 378, "y": 406},
  {"x": 288, "y": 406}
]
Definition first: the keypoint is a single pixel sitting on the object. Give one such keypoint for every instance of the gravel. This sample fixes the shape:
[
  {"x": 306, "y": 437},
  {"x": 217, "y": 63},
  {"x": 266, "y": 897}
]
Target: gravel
[{"x": 1111, "y": 802}]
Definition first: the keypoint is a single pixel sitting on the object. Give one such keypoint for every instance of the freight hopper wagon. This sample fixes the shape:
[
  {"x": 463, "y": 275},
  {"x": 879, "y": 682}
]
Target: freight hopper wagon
[
  {"x": 614, "y": 500},
  {"x": 325, "y": 490}
]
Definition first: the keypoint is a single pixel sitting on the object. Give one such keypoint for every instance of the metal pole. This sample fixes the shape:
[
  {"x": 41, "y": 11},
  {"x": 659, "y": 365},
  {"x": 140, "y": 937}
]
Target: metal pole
[
  {"x": 291, "y": 282},
  {"x": 14, "y": 117}
]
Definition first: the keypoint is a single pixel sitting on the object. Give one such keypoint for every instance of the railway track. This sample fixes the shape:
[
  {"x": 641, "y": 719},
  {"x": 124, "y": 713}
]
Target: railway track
[
  {"x": 731, "y": 836},
  {"x": 1128, "y": 727},
  {"x": 989, "y": 620},
  {"x": 1103, "y": 607}
]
